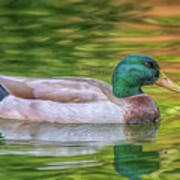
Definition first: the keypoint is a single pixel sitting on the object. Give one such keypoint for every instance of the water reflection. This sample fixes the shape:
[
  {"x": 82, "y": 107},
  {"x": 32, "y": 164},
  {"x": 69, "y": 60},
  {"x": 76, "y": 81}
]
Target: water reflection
[
  {"x": 132, "y": 161},
  {"x": 65, "y": 147},
  {"x": 54, "y": 132}
]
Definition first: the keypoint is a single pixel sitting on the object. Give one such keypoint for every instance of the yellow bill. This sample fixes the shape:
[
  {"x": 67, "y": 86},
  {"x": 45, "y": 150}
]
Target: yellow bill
[{"x": 164, "y": 81}]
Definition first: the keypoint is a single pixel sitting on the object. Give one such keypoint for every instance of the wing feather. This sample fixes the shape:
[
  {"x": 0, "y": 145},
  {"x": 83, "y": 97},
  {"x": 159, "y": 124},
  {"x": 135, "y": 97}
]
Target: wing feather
[{"x": 59, "y": 89}]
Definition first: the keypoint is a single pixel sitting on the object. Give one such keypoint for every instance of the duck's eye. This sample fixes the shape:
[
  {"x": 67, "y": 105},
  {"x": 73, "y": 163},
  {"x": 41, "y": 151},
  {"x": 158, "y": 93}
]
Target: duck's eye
[{"x": 148, "y": 64}]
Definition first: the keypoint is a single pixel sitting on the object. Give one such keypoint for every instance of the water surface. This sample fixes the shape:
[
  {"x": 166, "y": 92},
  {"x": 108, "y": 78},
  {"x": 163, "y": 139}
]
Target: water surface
[{"x": 51, "y": 38}]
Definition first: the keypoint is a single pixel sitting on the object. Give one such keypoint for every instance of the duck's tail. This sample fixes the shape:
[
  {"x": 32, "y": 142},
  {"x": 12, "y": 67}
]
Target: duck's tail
[{"x": 3, "y": 92}]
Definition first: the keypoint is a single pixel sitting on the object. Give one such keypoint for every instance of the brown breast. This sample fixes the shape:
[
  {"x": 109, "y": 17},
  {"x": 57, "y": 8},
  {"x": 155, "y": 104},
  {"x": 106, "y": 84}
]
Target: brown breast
[{"x": 142, "y": 109}]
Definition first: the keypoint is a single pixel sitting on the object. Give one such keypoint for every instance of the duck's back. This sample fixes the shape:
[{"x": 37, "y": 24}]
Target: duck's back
[{"x": 65, "y": 89}]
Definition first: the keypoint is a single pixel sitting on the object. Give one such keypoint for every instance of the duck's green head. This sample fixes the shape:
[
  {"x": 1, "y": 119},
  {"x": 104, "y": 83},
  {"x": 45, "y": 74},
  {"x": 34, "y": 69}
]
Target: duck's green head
[{"x": 132, "y": 73}]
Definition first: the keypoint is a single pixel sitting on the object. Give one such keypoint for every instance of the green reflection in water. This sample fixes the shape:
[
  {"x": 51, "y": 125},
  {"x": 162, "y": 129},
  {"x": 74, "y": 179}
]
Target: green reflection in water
[{"x": 131, "y": 161}]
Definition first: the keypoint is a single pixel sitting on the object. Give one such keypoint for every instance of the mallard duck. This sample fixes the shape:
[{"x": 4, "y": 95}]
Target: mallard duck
[{"x": 86, "y": 100}]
